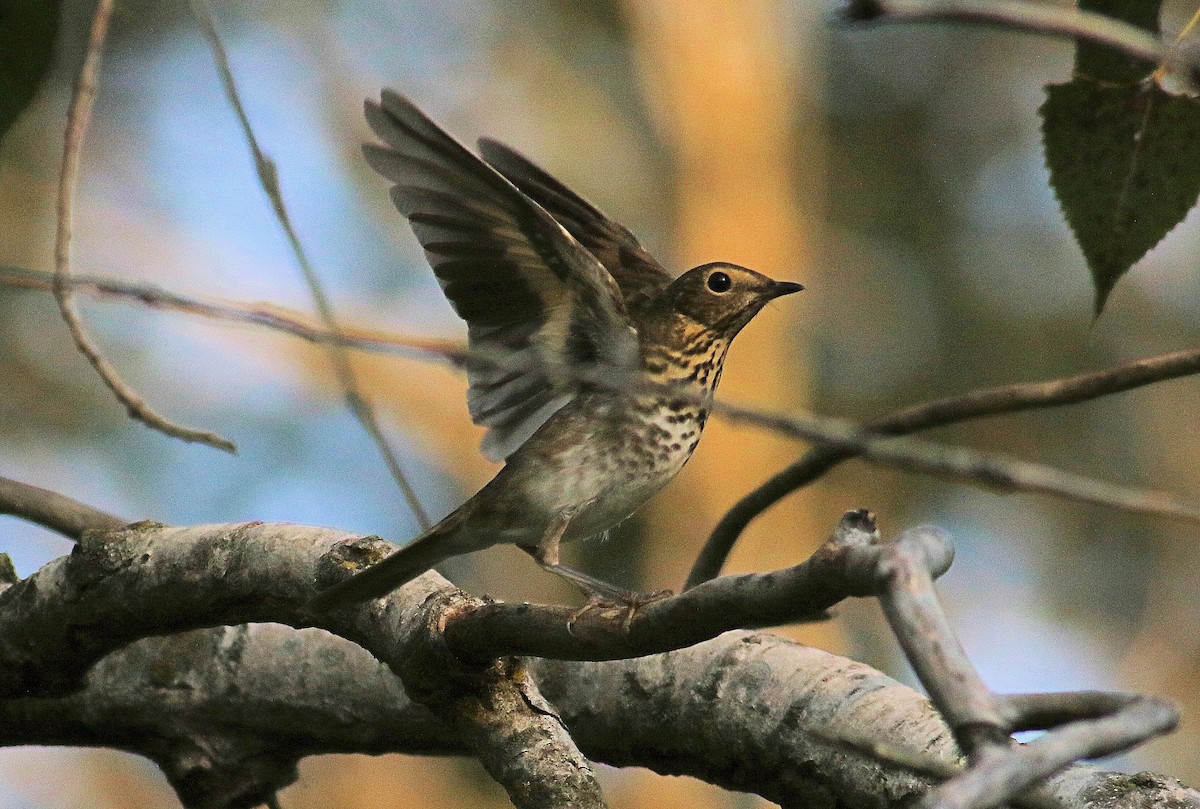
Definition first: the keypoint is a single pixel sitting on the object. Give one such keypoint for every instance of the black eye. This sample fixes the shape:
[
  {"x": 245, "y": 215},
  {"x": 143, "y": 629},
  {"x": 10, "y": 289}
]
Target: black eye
[{"x": 719, "y": 282}]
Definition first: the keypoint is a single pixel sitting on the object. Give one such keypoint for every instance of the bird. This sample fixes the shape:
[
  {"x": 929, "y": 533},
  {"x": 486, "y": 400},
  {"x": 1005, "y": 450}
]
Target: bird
[{"x": 610, "y": 364}]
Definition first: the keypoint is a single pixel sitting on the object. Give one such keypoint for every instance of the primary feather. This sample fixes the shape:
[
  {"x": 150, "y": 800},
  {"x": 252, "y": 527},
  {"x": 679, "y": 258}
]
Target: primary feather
[{"x": 531, "y": 294}]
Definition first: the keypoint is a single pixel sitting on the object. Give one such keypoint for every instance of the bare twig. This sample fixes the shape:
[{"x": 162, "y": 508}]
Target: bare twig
[
  {"x": 265, "y": 315},
  {"x": 1175, "y": 58},
  {"x": 1036, "y": 18},
  {"x": 52, "y": 510},
  {"x": 78, "y": 116},
  {"x": 937, "y": 413},
  {"x": 982, "y": 468},
  {"x": 1084, "y": 725},
  {"x": 268, "y": 177},
  {"x": 842, "y": 439}
]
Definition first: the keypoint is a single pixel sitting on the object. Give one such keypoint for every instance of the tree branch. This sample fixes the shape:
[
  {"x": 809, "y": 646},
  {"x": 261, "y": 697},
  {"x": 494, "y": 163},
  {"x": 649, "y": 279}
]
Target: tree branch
[
  {"x": 52, "y": 510},
  {"x": 227, "y": 723},
  {"x": 986, "y": 469},
  {"x": 841, "y": 438},
  {"x": 227, "y": 712},
  {"x": 78, "y": 116},
  {"x": 147, "y": 579},
  {"x": 804, "y": 592},
  {"x": 268, "y": 178},
  {"x": 263, "y": 315},
  {"x": 242, "y": 722},
  {"x": 1013, "y": 398},
  {"x": 1079, "y": 726},
  {"x": 1037, "y": 18},
  {"x": 266, "y": 572}
]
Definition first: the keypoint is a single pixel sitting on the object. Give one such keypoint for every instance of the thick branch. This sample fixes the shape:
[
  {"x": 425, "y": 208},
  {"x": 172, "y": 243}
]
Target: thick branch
[
  {"x": 227, "y": 713},
  {"x": 498, "y": 712},
  {"x": 151, "y": 580},
  {"x": 142, "y": 578},
  {"x": 147, "y": 579},
  {"x": 227, "y": 722}
]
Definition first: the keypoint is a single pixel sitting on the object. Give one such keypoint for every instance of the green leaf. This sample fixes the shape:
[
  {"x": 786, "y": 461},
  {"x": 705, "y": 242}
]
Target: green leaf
[
  {"x": 1124, "y": 156},
  {"x": 27, "y": 29},
  {"x": 1124, "y": 162}
]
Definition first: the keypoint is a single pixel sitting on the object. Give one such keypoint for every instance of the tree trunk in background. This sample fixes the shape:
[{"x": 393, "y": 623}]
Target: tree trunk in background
[{"x": 733, "y": 87}]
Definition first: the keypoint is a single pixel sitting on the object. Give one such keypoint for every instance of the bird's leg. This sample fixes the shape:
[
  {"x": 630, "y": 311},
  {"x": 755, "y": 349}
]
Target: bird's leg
[
  {"x": 599, "y": 592},
  {"x": 546, "y": 554}
]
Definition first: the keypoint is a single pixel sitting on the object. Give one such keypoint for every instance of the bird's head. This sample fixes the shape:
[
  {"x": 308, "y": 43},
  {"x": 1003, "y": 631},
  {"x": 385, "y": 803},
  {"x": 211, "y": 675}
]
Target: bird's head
[{"x": 724, "y": 297}]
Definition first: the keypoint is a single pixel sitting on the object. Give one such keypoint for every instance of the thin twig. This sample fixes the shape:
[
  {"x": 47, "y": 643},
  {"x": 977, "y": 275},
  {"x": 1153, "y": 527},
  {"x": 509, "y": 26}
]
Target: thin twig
[
  {"x": 53, "y": 510},
  {"x": 1036, "y": 18},
  {"x": 1039, "y": 18},
  {"x": 983, "y": 468},
  {"x": 78, "y": 116},
  {"x": 276, "y": 318},
  {"x": 268, "y": 177},
  {"x": 841, "y": 439},
  {"x": 926, "y": 415}
]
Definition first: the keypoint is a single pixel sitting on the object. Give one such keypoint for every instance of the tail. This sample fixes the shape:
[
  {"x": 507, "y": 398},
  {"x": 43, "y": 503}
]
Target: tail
[{"x": 441, "y": 542}]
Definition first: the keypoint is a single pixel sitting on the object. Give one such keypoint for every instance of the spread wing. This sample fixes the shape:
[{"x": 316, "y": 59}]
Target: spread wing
[
  {"x": 630, "y": 265},
  {"x": 528, "y": 290}
]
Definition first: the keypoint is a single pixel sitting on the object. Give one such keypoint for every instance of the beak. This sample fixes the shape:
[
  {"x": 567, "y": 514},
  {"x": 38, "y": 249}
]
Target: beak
[{"x": 782, "y": 288}]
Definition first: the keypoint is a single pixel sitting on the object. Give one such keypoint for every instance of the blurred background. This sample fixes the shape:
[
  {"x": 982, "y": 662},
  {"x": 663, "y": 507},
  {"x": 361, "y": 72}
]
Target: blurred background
[{"x": 896, "y": 172}]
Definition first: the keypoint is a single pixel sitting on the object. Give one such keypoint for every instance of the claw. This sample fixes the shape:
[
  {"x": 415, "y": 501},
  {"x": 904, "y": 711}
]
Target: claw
[
  {"x": 594, "y": 602},
  {"x": 640, "y": 600},
  {"x": 631, "y": 602}
]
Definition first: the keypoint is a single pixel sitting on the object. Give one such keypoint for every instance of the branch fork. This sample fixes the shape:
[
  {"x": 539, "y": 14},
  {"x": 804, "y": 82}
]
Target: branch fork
[{"x": 461, "y": 656}]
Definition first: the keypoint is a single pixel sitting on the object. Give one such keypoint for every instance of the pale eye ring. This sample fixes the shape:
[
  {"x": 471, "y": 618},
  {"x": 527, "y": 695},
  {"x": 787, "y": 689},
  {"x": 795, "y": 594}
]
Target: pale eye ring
[{"x": 719, "y": 282}]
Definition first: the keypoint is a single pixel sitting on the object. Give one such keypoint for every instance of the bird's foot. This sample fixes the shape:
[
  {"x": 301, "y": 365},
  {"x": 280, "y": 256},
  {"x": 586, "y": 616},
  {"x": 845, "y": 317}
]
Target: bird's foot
[{"x": 629, "y": 601}]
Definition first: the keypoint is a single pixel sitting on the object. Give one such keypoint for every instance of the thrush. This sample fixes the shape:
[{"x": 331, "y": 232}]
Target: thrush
[{"x": 572, "y": 302}]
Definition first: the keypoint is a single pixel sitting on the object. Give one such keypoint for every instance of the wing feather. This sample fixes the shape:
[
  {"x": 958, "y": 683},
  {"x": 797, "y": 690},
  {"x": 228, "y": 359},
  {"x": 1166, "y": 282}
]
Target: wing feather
[
  {"x": 527, "y": 288},
  {"x": 634, "y": 270}
]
